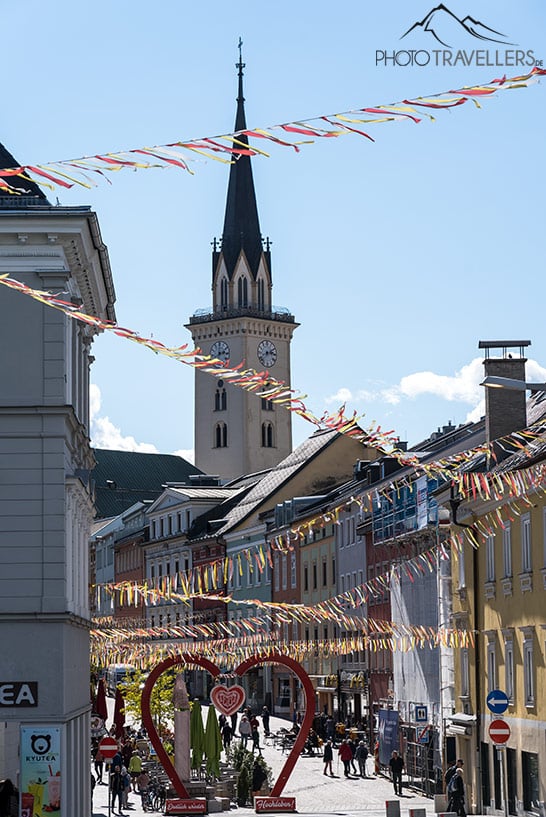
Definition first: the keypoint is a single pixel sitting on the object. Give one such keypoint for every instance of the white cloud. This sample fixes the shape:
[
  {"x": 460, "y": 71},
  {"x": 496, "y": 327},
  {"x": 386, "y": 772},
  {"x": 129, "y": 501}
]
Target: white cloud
[
  {"x": 462, "y": 387},
  {"x": 104, "y": 434},
  {"x": 186, "y": 453}
]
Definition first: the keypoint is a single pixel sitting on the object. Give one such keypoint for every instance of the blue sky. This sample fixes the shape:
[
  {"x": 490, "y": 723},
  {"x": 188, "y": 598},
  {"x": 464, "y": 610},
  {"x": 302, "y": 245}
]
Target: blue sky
[{"x": 396, "y": 257}]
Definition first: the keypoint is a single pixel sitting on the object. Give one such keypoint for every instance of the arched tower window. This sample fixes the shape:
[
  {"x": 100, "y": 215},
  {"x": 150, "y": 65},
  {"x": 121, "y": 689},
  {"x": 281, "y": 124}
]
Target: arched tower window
[
  {"x": 267, "y": 435},
  {"x": 267, "y": 405},
  {"x": 220, "y": 397},
  {"x": 261, "y": 294},
  {"x": 224, "y": 293},
  {"x": 220, "y": 435},
  {"x": 242, "y": 292}
]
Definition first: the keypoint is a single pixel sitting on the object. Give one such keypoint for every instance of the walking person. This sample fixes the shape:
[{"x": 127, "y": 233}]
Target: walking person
[
  {"x": 455, "y": 791},
  {"x": 265, "y": 720},
  {"x": 352, "y": 744},
  {"x": 345, "y": 755},
  {"x": 328, "y": 757},
  {"x": 255, "y": 733},
  {"x": 361, "y": 756},
  {"x": 245, "y": 730},
  {"x": 452, "y": 770},
  {"x": 396, "y": 764},
  {"x": 116, "y": 789},
  {"x": 142, "y": 784},
  {"x": 226, "y": 735},
  {"x": 99, "y": 765}
]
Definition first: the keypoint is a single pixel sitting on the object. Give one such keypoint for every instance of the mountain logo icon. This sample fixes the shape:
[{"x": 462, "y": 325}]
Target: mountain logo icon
[{"x": 445, "y": 26}]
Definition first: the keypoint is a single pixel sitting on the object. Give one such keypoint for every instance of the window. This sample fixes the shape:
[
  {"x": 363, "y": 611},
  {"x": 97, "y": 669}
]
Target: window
[
  {"x": 284, "y": 563},
  {"x": 293, "y": 572},
  {"x": 333, "y": 570},
  {"x": 305, "y": 578},
  {"x": 315, "y": 577},
  {"x": 276, "y": 572},
  {"x": 509, "y": 667},
  {"x": 267, "y": 435},
  {"x": 528, "y": 667},
  {"x": 224, "y": 293},
  {"x": 526, "y": 564},
  {"x": 242, "y": 292},
  {"x": 324, "y": 573},
  {"x": 220, "y": 399},
  {"x": 530, "y": 779},
  {"x": 462, "y": 575},
  {"x": 220, "y": 435},
  {"x": 491, "y": 666},
  {"x": 261, "y": 294},
  {"x": 490, "y": 558},
  {"x": 267, "y": 405},
  {"x": 465, "y": 675},
  {"x": 507, "y": 550}
]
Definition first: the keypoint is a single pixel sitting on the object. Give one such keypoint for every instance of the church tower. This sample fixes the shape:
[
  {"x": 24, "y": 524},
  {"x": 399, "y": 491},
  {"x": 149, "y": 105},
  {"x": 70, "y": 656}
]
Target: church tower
[{"x": 236, "y": 432}]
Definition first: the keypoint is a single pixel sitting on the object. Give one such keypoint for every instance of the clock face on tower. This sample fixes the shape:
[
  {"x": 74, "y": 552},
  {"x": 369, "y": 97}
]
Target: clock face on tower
[
  {"x": 220, "y": 349},
  {"x": 267, "y": 353}
]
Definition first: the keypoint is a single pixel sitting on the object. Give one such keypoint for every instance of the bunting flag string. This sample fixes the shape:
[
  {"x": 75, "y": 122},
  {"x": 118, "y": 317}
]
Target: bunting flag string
[
  {"x": 268, "y": 388},
  {"x": 229, "y": 147}
]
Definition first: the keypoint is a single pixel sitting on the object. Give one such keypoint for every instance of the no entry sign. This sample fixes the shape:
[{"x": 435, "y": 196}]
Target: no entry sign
[
  {"x": 108, "y": 747},
  {"x": 499, "y": 731}
]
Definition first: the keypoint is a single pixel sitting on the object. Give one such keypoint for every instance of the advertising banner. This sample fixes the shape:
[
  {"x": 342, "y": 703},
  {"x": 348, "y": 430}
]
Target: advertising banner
[
  {"x": 40, "y": 771},
  {"x": 388, "y": 734}
]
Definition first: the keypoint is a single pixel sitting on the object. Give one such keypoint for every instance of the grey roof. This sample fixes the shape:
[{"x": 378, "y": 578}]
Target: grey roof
[
  {"x": 30, "y": 194},
  {"x": 125, "y": 477},
  {"x": 277, "y": 477}
]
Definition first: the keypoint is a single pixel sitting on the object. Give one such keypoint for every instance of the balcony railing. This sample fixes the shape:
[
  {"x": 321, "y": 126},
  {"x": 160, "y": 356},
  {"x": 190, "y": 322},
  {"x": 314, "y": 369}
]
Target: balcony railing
[{"x": 276, "y": 313}]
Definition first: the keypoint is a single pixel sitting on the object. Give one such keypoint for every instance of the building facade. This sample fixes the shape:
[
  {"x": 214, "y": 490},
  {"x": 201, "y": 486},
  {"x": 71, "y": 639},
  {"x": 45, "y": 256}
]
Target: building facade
[{"x": 46, "y": 496}]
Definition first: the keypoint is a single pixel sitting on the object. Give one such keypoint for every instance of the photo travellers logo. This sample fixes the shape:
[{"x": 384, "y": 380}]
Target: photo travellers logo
[{"x": 443, "y": 39}]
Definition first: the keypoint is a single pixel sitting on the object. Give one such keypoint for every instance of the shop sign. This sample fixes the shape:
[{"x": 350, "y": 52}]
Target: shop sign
[
  {"x": 18, "y": 693},
  {"x": 40, "y": 770}
]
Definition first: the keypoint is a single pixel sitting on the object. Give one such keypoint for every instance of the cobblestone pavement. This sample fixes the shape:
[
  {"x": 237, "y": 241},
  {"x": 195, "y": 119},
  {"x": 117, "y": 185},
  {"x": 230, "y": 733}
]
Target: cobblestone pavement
[{"x": 315, "y": 793}]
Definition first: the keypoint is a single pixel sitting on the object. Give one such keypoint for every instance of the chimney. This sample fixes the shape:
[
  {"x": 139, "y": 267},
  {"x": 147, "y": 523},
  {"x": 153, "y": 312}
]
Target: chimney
[{"x": 505, "y": 409}]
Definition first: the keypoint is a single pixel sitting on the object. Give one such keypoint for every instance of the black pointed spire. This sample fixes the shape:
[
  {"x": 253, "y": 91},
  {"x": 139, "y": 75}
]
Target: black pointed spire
[
  {"x": 241, "y": 224},
  {"x": 29, "y": 192}
]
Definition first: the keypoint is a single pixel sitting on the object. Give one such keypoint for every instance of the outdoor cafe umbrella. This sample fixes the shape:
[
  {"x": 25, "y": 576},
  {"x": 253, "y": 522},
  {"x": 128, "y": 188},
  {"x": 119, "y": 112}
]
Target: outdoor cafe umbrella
[
  {"x": 213, "y": 743},
  {"x": 197, "y": 735},
  {"x": 119, "y": 714}
]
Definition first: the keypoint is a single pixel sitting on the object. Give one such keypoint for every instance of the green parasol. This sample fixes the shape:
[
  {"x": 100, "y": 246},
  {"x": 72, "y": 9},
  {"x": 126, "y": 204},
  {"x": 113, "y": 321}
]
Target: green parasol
[
  {"x": 213, "y": 743},
  {"x": 197, "y": 735}
]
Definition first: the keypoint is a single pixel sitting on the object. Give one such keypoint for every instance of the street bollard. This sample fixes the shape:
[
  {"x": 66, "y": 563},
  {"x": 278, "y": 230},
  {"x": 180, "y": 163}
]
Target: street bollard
[
  {"x": 417, "y": 812},
  {"x": 392, "y": 808}
]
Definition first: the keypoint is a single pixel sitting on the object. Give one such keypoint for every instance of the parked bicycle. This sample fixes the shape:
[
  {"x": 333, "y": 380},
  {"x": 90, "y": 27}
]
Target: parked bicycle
[{"x": 153, "y": 799}]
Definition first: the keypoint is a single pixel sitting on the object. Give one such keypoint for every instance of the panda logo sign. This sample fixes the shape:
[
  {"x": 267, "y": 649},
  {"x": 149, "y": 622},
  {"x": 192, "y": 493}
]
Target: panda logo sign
[{"x": 40, "y": 744}]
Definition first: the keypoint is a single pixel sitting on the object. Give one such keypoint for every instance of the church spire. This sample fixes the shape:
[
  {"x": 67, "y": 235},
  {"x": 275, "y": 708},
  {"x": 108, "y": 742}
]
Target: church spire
[{"x": 241, "y": 224}]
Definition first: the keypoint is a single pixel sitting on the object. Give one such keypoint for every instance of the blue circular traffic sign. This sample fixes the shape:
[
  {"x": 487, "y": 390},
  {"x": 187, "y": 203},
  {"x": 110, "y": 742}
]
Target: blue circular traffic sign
[{"x": 497, "y": 701}]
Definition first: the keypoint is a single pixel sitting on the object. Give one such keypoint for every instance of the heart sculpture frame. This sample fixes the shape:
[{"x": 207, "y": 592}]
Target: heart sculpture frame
[{"x": 255, "y": 660}]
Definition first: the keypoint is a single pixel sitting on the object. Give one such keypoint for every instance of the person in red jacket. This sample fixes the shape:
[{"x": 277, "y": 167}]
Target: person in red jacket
[{"x": 346, "y": 755}]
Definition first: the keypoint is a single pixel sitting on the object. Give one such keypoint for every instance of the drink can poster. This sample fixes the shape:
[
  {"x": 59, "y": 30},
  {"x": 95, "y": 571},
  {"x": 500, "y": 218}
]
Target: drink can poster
[{"x": 40, "y": 771}]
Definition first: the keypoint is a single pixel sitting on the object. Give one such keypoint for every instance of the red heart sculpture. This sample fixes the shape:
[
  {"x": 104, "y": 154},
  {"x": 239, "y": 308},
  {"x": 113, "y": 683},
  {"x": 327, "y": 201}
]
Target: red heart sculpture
[
  {"x": 227, "y": 699},
  {"x": 196, "y": 660}
]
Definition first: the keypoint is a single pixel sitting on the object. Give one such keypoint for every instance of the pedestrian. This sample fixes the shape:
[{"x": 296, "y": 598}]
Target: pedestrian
[
  {"x": 99, "y": 765},
  {"x": 455, "y": 792},
  {"x": 452, "y": 770},
  {"x": 259, "y": 776},
  {"x": 328, "y": 757},
  {"x": 352, "y": 743},
  {"x": 345, "y": 755},
  {"x": 116, "y": 788},
  {"x": 135, "y": 765},
  {"x": 255, "y": 733},
  {"x": 226, "y": 735},
  {"x": 361, "y": 756},
  {"x": 234, "y": 723},
  {"x": 245, "y": 730},
  {"x": 126, "y": 778},
  {"x": 396, "y": 764},
  {"x": 265, "y": 720},
  {"x": 142, "y": 783}
]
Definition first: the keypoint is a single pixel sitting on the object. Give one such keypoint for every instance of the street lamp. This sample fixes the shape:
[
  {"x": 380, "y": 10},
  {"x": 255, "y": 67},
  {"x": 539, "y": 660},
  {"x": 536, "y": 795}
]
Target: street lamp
[{"x": 493, "y": 382}]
